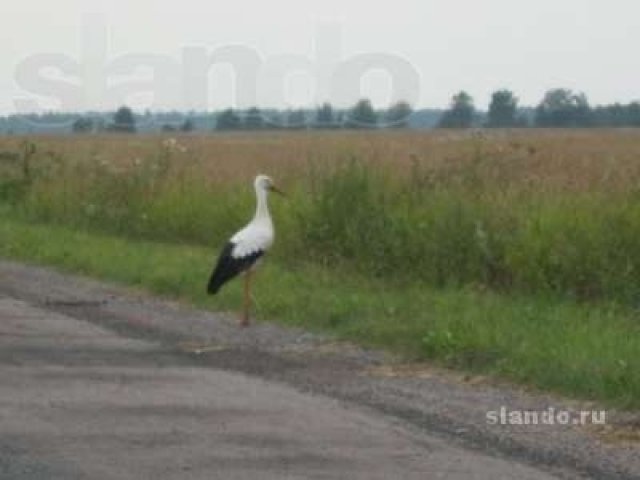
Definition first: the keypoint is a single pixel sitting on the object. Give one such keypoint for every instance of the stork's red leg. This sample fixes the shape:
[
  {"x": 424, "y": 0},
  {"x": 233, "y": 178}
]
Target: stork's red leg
[{"x": 244, "y": 321}]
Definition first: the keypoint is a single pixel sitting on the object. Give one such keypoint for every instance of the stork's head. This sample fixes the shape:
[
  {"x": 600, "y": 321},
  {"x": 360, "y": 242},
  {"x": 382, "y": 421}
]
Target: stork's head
[{"x": 265, "y": 183}]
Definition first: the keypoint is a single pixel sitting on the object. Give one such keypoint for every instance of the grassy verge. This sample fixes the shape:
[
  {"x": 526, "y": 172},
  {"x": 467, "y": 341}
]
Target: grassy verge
[
  {"x": 584, "y": 350},
  {"x": 480, "y": 222}
]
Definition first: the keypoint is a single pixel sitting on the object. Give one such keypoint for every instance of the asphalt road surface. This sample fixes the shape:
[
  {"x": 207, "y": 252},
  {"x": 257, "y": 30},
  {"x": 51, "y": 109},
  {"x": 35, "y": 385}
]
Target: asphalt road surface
[{"x": 88, "y": 394}]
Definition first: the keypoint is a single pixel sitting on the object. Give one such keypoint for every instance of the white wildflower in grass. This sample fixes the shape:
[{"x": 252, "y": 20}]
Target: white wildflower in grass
[{"x": 172, "y": 145}]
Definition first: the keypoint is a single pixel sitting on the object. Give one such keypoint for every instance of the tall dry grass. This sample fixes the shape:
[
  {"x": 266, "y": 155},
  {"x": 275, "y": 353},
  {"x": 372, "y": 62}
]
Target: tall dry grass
[
  {"x": 543, "y": 211},
  {"x": 543, "y": 159}
]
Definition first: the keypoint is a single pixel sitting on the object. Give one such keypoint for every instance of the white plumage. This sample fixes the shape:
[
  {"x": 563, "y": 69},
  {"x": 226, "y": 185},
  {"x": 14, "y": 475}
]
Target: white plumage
[
  {"x": 258, "y": 235},
  {"x": 246, "y": 247}
]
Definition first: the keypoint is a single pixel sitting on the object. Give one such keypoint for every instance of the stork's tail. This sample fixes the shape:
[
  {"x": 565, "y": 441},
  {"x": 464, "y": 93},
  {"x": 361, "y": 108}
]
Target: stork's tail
[
  {"x": 228, "y": 267},
  {"x": 214, "y": 284},
  {"x": 223, "y": 271}
]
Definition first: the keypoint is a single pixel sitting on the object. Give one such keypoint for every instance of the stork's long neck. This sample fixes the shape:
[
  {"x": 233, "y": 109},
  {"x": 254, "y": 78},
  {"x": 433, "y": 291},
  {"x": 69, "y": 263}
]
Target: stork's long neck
[{"x": 262, "y": 209}]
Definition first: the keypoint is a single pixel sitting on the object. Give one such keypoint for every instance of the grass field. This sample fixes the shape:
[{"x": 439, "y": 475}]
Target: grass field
[{"x": 513, "y": 253}]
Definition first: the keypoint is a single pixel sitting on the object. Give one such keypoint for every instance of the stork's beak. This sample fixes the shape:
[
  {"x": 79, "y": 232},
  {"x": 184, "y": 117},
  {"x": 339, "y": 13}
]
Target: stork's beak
[{"x": 275, "y": 189}]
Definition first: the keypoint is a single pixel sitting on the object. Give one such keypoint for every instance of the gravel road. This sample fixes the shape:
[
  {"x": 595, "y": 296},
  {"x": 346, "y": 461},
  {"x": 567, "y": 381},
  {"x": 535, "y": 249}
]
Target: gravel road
[{"x": 99, "y": 382}]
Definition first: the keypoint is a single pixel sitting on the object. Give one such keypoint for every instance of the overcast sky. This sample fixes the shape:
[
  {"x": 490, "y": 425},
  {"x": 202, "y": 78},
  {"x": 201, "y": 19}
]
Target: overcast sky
[{"x": 423, "y": 49}]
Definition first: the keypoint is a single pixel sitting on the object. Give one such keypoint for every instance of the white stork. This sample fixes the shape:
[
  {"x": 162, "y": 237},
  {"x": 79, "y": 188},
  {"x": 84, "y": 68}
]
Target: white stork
[{"x": 242, "y": 253}]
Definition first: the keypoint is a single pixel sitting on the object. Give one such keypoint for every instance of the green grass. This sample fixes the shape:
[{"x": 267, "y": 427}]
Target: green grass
[
  {"x": 583, "y": 350},
  {"x": 453, "y": 228}
]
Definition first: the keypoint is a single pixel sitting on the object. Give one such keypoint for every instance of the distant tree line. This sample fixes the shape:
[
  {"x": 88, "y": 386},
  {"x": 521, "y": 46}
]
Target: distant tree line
[
  {"x": 361, "y": 116},
  {"x": 124, "y": 120},
  {"x": 558, "y": 108}
]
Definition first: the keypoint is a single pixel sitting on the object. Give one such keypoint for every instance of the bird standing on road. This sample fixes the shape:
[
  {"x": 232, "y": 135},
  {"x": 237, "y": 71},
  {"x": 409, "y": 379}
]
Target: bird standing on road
[{"x": 242, "y": 253}]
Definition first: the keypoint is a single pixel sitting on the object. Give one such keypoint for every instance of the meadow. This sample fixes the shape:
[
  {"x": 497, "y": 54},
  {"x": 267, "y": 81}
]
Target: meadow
[{"x": 512, "y": 253}]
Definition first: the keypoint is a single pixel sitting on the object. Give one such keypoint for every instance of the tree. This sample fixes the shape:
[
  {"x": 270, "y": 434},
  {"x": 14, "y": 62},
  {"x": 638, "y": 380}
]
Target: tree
[
  {"x": 502, "y": 110},
  {"x": 460, "y": 113},
  {"x": 123, "y": 121},
  {"x": 82, "y": 125},
  {"x": 632, "y": 117},
  {"x": 617, "y": 115},
  {"x": 228, "y": 120},
  {"x": 254, "y": 119},
  {"x": 297, "y": 119},
  {"x": 362, "y": 115},
  {"x": 563, "y": 108},
  {"x": 187, "y": 126},
  {"x": 397, "y": 116},
  {"x": 324, "y": 116}
]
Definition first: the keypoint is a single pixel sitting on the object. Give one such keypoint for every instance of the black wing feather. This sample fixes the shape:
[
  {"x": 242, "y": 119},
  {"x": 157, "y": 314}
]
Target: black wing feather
[{"x": 229, "y": 267}]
